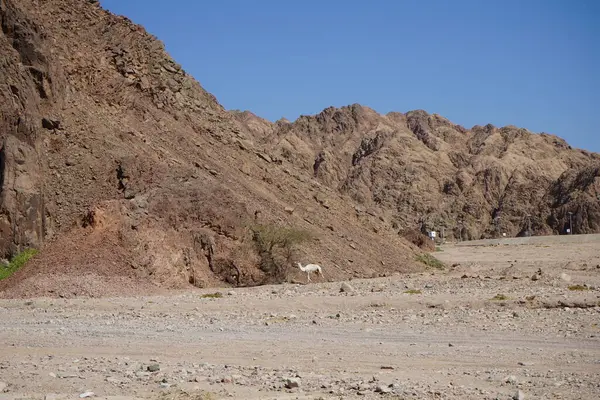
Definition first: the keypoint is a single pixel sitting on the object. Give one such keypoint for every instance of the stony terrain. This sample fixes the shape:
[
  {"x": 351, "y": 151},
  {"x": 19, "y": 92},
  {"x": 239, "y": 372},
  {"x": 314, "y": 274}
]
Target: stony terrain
[
  {"x": 114, "y": 161},
  {"x": 379, "y": 338}
]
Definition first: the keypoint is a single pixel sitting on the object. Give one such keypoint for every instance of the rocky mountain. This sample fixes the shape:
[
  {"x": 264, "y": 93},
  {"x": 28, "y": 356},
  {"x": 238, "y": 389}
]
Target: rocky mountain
[
  {"x": 128, "y": 175},
  {"x": 424, "y": 172}
]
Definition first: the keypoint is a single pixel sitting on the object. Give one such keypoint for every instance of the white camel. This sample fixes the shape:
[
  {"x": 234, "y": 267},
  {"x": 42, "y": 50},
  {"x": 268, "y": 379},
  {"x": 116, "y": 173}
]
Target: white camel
[{"x": 308, "y": 268}]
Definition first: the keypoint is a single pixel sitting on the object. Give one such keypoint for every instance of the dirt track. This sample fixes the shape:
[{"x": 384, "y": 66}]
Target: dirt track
[{"x": 449, "y": 342}]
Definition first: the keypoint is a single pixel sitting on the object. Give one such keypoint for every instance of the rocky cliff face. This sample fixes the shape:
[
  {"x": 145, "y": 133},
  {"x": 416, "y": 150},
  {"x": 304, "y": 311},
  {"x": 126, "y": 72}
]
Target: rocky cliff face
[
  {"x": 30, "y": 85},
  {"x": 427, "y": 173}
]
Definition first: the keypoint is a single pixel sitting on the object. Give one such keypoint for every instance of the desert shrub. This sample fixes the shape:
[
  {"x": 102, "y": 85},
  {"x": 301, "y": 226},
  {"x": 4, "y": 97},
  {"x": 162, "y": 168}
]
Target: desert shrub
[
  {"x": 16, "y": 262},
  {"x": 578, "y": 288},
  {"x": 500, "y": 297},
  {"x": 430, "y": 261},
  {"x": 275, "y": 246},
  {"x": 412, "y": 291},
  {"x": 215, "y": 295}
]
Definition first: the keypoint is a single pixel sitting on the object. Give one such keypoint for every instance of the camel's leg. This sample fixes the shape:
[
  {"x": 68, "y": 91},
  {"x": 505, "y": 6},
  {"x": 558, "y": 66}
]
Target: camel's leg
[{"x": 308, "y": 276}]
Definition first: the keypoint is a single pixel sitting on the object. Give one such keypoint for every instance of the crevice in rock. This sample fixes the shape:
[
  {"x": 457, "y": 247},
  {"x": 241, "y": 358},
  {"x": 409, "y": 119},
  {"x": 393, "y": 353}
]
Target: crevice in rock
[{"x": 2, "y": 170}]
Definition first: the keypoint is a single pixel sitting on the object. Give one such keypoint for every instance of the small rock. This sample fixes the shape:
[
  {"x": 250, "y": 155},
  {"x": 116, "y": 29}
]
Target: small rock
[
  {"x": 67, "y": 376},
  {"x": 165, "y": 385},
  {"x": 565, "y": 277},
  {"x": 291, "y": 383},
  {"x": 86, "y": 394},
  {"x": 519, "y": 395},
  {"x": 511, "y": 379},
  {"x": 3, "y": 386},
  {"x": 50, "y": 124},
  {"x": 231, "y": 293},
  {"x": 142, "y": 374},
  {"x": 50, "y": 396},
  {"x": 346, "y": 288},
  {"x": 383, "y": 389},
  {"x": 52, "y": 375},
  {"x": 535, "y": 277},
  {"x": 289, "y": 210},
  {"x": 264, "y": 156},
  {"x": 169, "y": 68},
  {"x": 153, "y": 367}
]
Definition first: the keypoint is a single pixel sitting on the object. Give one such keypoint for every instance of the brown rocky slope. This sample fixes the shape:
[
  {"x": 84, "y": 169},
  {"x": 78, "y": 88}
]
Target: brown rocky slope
[
  {"x": 424, "y": 172},
  {"x": 113, "y": 161}
]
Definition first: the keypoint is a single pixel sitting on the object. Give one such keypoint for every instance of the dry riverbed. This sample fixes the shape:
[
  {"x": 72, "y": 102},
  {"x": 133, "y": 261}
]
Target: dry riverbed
[{"x": 503, "y": 322}]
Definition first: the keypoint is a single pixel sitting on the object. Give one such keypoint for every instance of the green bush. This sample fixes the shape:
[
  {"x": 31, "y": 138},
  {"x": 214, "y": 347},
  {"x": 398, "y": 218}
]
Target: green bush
[
  {"x": 578, "y": 288},
  {"x": 216, "y": 295},
  {"x": 430, "y": 261},
  {"x": 275, "y": 246},
  {"x": 16, "y": 262}
]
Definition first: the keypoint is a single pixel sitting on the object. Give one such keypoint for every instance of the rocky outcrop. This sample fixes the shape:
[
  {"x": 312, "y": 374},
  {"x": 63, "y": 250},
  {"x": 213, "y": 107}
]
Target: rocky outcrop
[{"x": 29, "y": 83}]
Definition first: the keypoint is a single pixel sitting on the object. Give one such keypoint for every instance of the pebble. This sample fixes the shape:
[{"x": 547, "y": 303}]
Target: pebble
[
  {"x": 291, "y": 383},
  {"x": 383, "y": 389},
  {"x": 142, "y": 374},
  {"x": 153, "y": 367},
  {"x": 86, "y": 394},
  {"x": 519, "y": 395},
  {"x": 3, "y": 386},
  {"x": 346, "y": 288}
]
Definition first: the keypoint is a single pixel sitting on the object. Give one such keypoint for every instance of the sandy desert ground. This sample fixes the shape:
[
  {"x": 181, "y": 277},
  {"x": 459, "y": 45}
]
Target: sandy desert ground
[{"x": 490, "y": 327}]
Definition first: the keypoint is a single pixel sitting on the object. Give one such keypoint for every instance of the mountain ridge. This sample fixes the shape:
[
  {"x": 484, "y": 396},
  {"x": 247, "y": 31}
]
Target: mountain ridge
[
  {"x": 512, "y": 154},
  {"x": 475, "y": 127}
]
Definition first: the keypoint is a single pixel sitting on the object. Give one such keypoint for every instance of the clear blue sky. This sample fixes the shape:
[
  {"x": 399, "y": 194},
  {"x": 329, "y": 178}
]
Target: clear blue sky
[{"x": 530, "y": 63}]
